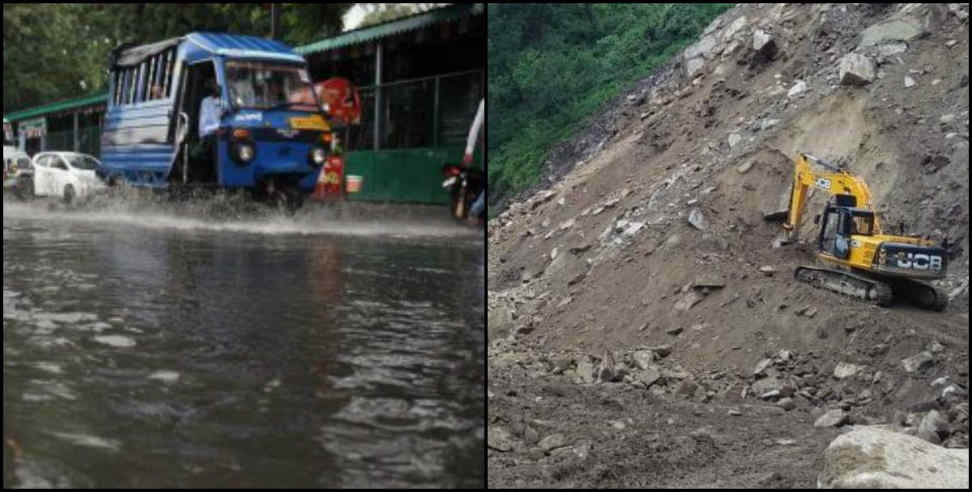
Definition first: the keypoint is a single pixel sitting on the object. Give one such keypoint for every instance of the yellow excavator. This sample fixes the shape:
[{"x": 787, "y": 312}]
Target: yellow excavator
[{"x": 867, "y": 264}]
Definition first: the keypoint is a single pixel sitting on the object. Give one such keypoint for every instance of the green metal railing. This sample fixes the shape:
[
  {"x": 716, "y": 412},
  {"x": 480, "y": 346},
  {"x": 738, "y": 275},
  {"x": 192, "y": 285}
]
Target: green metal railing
[
  {"x": 426, "y": 122},
  {"x": 420, "y": 113},
  {"x": 89, "y": 141}
]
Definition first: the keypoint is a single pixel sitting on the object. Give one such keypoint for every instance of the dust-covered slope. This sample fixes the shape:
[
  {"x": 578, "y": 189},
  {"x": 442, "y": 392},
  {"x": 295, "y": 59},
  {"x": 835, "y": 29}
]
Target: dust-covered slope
[{"x": 587, "y": 276}]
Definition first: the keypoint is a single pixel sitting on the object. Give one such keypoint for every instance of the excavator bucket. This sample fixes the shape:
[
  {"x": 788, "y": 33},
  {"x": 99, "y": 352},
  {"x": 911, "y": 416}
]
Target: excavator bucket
[{"x": 778, "y": 216}]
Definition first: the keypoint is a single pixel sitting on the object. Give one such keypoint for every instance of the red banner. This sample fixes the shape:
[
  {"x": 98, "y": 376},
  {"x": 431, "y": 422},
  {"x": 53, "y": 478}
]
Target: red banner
[{"x": 343, "y": 99}]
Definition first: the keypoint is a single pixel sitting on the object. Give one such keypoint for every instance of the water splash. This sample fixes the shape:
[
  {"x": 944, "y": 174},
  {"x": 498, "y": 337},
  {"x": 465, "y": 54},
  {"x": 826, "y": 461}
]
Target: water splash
[{"x": 235, "y": 212}]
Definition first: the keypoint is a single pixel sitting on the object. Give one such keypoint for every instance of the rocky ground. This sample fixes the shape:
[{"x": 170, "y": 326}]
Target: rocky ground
[{"x": 643, "y": 329}]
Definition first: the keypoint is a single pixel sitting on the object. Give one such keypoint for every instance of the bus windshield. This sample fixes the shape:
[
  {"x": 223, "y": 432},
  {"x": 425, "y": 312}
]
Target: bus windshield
[{"x": 263, "y": 85}]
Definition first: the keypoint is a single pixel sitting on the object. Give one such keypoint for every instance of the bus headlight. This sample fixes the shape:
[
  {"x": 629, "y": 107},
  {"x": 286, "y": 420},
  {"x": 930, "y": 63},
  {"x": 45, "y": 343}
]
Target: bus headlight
[
  {"x": 243, "y": 153},
  {"x": 246, "y": 152},
  {"x": 318, "y": 156}
]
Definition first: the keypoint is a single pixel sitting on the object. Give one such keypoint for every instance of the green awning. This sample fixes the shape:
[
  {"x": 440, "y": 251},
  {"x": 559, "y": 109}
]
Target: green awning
[
  {"x": 56, "y": 107},
  {"x": 417, "y": 21}
]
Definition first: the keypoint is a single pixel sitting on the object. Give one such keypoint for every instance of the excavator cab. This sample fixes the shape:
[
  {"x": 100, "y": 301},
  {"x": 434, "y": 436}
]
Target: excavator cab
[{"x": 839, "y": 223}]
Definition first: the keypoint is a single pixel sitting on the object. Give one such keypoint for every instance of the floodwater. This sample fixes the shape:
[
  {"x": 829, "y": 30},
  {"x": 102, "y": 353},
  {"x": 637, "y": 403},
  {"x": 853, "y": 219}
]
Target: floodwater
[{"x": 146, "y": 346}]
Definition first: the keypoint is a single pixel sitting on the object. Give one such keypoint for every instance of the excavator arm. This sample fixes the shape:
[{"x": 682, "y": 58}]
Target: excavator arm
[{"x": 835, "y": 182}]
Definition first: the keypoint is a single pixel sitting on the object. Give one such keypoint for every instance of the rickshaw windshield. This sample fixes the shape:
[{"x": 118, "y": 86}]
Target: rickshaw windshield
[{"x": 264, "y": 85}]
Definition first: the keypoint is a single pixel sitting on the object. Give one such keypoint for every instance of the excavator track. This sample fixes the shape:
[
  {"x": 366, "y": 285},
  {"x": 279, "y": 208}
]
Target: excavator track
[
  {"x": 878, "y": 291},
  {"x": 921, "y": 294},
  {"x": 846, "y": 283}
]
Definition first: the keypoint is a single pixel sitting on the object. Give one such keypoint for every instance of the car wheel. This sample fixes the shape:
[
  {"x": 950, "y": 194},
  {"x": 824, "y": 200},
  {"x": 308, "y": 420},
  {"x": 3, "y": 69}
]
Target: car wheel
[{"x": 68, "y": 194}]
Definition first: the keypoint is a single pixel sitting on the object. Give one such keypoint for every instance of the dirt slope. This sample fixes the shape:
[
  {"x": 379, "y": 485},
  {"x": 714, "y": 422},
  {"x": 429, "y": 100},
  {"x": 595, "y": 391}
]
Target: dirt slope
[{"x": 585, "y": 274}]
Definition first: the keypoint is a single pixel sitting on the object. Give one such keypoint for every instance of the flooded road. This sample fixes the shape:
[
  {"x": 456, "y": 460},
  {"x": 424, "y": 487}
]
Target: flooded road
[{"x": 151, "y": 349}]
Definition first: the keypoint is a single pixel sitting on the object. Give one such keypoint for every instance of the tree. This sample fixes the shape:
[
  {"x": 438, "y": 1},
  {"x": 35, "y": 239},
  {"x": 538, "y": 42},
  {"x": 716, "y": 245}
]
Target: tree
[
  {"x": 384, "y": 12},
  {"x": 551, "y": 66},
  {"x": 50, "y": 49}
]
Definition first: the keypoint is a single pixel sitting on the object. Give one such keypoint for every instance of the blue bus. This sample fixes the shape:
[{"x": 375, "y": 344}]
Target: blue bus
[{"x": 267, "y": 133}]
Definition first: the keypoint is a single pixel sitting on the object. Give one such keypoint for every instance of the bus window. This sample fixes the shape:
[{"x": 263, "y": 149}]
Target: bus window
[
  {"x": 167, "y": 74},
  {"x": 114, "y": 95},
  {"x": 129, "y": 85},
  {"x": 150, "y": 93},
  {"x": 140, "y": 93}
]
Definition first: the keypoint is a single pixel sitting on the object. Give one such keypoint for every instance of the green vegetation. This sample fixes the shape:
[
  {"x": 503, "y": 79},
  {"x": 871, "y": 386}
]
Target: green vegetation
[
  {"x": 551, "y": 66},
  {"x": 53, "y": 52},
  {"x": 385, "y": 12}
]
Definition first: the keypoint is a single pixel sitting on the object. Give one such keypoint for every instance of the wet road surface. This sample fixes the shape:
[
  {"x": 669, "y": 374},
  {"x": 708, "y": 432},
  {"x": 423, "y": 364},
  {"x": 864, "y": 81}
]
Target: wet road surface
[{"x": 147, "y": 349}]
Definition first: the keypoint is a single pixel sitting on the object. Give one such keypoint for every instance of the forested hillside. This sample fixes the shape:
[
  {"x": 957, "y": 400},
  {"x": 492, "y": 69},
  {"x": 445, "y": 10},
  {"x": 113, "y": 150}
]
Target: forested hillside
[{"x": 552, "y": 65}]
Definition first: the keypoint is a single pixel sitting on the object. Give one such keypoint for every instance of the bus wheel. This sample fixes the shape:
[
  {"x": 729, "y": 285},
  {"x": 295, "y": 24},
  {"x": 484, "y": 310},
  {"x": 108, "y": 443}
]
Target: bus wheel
[
  {"x": 293, "y": 199},
  {"x": 288, "y": 199}
]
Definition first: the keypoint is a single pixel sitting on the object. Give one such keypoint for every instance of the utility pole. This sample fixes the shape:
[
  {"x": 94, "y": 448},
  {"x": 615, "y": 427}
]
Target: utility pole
[{"x": 274, "y": 20}]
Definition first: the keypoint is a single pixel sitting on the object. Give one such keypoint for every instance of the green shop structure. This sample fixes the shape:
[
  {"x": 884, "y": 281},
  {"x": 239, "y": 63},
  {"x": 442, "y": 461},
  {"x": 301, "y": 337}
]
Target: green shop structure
[
  {"x": 73, "y": 125},
  {"x": 420, "y": 78}
]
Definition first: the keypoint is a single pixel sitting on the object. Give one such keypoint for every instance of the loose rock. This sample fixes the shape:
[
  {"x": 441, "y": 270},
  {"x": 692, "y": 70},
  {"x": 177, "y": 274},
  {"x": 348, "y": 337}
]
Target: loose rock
[
  {"x": 833, "y": 418},
  {"x": 734, "y": 139},
  {"x": 499, "y": 439},
  {"x": 930, "y": 427},
  {"x": 552, "y": 442},
  {"x": 855, "y": 69},
  {"x": 917, "y": 362},
  {"x": 763, "y": 364},
  {"x": 797, "y": 89},
  {"x": 763, "y": 44},
  {"x": 845, "y": 370},
  {"x": 697, "y": 219}
]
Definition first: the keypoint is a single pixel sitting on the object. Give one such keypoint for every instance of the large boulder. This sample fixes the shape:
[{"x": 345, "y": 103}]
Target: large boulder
[
  {"x": 872, "y": 457},
  {"x": 733, "y": 28},
  {"x": 500, "y": 322},
  {"x": 693, "y": 66},
  {"x": 856, "y": 69},
  {"x": 704, "y": 47},
  {"x": 764, "y": 44},
  {"x": 895, "y": 30}
]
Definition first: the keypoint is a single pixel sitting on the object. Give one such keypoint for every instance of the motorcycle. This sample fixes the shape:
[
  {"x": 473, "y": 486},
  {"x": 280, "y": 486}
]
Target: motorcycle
[{"x": 464, "y": 185}]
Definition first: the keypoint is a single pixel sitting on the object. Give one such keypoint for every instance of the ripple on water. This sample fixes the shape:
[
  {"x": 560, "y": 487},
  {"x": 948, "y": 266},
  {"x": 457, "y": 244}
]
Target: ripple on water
[
  {"x": 65, "y": 318},
  {"x": 46, "y": 342},
  {"x": 88, "y": 441},
  {"x": 168, "y": 377},
  {"x": 53, "y": 388},
  {"x": 119, "y": 341},
  {"x": 49, "y": 367}
]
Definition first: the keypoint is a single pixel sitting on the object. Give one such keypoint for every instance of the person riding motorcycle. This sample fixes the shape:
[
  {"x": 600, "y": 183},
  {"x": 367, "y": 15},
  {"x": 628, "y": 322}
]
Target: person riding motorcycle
[{"x": 478, "y": 210}]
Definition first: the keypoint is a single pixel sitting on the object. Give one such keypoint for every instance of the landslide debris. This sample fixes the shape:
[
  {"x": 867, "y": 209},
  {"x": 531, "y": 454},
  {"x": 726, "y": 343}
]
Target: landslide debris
[{"x": 639, "y": 309}]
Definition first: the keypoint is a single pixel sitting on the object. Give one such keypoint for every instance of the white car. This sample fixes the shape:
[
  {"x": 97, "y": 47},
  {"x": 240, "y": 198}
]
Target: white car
[{"x": 66, "y": 175}]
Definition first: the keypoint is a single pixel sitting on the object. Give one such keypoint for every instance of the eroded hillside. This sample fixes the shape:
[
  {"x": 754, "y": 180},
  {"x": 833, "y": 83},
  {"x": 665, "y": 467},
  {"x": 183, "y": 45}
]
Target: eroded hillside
[{"x": 634, "y": 297}]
